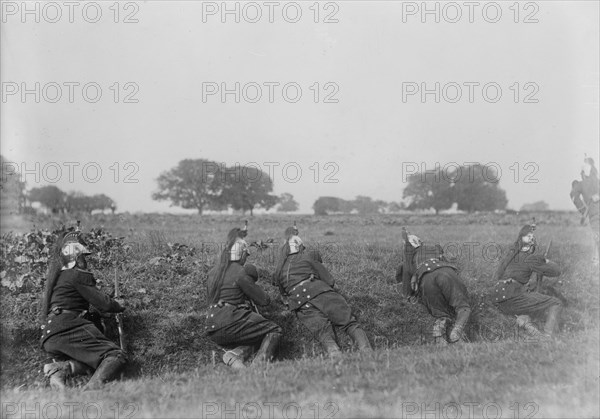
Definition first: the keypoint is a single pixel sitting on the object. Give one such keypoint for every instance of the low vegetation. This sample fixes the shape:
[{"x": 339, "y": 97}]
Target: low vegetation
[{"x": 162, "y": 261}]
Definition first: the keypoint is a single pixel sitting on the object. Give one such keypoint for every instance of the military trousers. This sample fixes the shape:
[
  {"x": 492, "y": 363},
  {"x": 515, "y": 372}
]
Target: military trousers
[
  {"x": 84, "y": 343},
  {"x": 530, "y": 303},
  {"x": 443, "y": 293},
  {"x": 324, "y": 311},
  {"x": 237, "y": 326}
]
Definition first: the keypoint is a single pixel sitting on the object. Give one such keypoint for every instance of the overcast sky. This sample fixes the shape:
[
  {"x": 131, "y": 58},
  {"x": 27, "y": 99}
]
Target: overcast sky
[{"x": 536, "y": 117}]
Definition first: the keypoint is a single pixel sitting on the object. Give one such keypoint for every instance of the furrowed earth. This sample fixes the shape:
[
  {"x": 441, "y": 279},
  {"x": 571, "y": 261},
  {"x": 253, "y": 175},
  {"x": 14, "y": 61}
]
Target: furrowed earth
[{"x": 176, "y": 371}]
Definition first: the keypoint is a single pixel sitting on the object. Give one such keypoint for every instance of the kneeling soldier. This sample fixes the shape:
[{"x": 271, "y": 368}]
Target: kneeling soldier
[
  {"x": 308, "y": 287},
  {"x": 66, "y": 332},
  {"x": 428, "y": 276},
  {"x": 511, "y": 292},
  {"x": 232, "y": 320}
]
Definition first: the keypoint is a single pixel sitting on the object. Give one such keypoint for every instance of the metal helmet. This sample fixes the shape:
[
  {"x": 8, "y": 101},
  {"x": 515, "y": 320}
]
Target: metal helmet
[
  {"x": 525, "y": 231},
  {"x": 295, "y": 243},
  {"x": 244, "y": 230},
  {"x": 414, "y": 241},
  {"x": 294, "y": 240},
  {"x": 237, "y": 250},
  {"x": 72, "y": 247}
]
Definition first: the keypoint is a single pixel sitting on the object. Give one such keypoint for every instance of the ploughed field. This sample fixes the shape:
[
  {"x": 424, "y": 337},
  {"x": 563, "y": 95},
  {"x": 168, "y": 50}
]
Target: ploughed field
[{"x": 175, "y": 371}]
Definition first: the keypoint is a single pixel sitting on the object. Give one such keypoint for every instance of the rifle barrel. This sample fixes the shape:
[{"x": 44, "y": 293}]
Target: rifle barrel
[
  {"x": 548, "y": 249},
  {"x": 119, "y": 316}
]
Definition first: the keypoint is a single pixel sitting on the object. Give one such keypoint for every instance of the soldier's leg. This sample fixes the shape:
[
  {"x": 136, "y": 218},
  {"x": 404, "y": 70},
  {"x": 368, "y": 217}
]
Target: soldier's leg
[
  {"x": 268, "y": 347},
  {"x": 359, "y": 337},
  {"x": 336, "y": 309},
  {"x": 455, "y": 299},
  {"x": 244, "y": 334},
  {"x": 532, "y": 303},
  {"x": 90, "y": 347},
  {"x": 58, "y": 371},
  {"x": 595, "y": 227},
  {"x": 440, "y": 331},
  {"x": 270, "y": 342},
  {"x": 108, "y": 370},
  {"x": 235, "y": 357},
  {"x": 320, "y": 326},
  {"x": 525, "y": 323},
  {"x": 435, "y": 295},
  {"x": 552, "y": 318},
  {"x": 458, "y": 333}
]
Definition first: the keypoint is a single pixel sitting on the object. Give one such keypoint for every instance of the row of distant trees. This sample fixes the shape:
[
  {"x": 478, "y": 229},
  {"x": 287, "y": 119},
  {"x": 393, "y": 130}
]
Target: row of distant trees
[
  {"x": 202, "y": 184},
  {"x": 471, "y": 188},
  {"x": 16, "y": 199},
  {"x": 58, "y": 201},
  {"x": 12, "y": 196},
  {"x": 361, "y": 204}
]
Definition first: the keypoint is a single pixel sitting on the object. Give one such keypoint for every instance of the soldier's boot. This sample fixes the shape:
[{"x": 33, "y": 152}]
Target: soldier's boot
[
  {"x": 533, "y": 332},
  {"x": 360, "y": 339},
  {"x": 234, "y": 358},
  {"x": 268, "y": 347},
  {"x": 439, "y": 331},
  {"x": 106, "y": 371},
  {"x": 552, "y": 320},
  {"x": 58, "y": 372},
  {"x": 329, "y": 344},
  {"x": 78, "y": 368},
  {"x": 458, "y": 331}
]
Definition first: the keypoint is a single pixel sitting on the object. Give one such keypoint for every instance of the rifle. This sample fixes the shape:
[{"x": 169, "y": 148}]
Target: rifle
[
  {"x": 539, "y": 277},
  {"x": 119, "y": 316},
  {"x": 407, "y": 277}
]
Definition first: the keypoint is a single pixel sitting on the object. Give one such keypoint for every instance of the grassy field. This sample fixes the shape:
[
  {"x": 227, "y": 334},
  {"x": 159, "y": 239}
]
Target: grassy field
[{"x": 176, "y": 371}]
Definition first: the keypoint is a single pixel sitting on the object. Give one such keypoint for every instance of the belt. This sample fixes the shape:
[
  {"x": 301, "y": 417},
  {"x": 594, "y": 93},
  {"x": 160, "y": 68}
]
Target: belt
[
  {"x": 303, "y": 282},
  {"x": 221, "y": 304},
  {"x": 59, "y": 310},
  {"x": 506, "y": 281}
]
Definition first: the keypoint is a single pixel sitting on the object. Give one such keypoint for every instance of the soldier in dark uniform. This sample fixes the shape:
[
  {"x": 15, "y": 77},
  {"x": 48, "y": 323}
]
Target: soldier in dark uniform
[
  {"x": 427, "y": 275},
  {"x": 308, "y": 287},
  {"x": 586, "y": 198},
  {"x": 67, "y": 334},
  {"x": 577, "y": 199},
  {"x": 232, "y": 320},
  {"x": 511, "y": 292}
]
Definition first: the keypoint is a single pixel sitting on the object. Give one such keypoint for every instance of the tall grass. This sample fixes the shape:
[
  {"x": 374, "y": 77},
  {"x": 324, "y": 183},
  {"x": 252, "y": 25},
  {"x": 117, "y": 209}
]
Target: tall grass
[{"x": 170, "y": 354}]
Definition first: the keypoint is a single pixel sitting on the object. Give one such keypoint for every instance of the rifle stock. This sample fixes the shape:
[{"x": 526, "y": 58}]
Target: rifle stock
[
  {"x": 119, "y": 316},
  {"x": 539, "y": 277}
]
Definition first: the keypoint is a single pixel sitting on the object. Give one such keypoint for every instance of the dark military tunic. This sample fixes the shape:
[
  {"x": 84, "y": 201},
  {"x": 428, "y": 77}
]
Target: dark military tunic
[
  {"x": 439, "y": 287},
  {"x": 591, "y": 197},
  {"x": 577, "y": 197},
  {"x": 232, "y": 322},
  {"x": 511, "y": 293},
  {"x": 66, "y": 333},
  {"x": 307, "y": 284}
]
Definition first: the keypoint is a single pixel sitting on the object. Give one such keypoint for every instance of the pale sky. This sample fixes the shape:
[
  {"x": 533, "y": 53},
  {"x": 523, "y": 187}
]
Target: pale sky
[{"x": 371, "y": 57}]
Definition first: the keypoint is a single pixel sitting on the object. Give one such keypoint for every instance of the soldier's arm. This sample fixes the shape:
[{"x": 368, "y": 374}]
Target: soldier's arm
[
  {"x": 323, "y": 273},
  {"x": 498, "y": 274},
  {"x": 253, "y": 291},
  {"x": 406, "y": 272},
  {"x": 409, "y": 253},
  {"x": 578, "y": 202},
  {"x": 86, "y": 286},
  {"x": 543, "y": 266},
  {"x": 277, "y": 282},
  {"x": 399, "y": 271}
]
